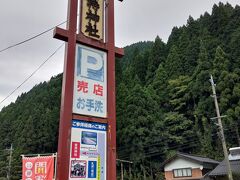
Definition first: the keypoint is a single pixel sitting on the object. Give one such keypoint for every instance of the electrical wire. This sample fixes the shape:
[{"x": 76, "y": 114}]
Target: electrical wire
[
  {"x": 173, "y": 147},
  {"x": 49, "y": 57},
  {"x": 31, "y": 38},
  {"x": 151, "y": 154},
  {"x": 159, "y": 142},
  {"x": 22, "y": 42},
  {"x": 178, "y": 147}
]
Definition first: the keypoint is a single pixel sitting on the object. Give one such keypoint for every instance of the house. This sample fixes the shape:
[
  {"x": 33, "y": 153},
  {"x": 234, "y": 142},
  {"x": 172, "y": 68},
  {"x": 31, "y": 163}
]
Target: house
[
  {"x": 188, "y": 167},
  {"x": 221, "y": 172}
]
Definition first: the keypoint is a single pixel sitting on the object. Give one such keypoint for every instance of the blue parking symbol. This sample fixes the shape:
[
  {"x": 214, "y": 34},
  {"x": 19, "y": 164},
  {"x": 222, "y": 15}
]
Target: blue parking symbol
[{"x": 90, "y": 64}]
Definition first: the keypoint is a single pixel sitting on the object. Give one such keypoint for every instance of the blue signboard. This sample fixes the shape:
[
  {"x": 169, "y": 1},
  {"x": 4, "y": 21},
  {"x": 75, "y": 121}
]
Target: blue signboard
[
  {"x": 92, "y": 169},
  {"x": 89, "y": 125},
  {"x": 90, "y": 82},
  {"x": 89, "y": 150}
]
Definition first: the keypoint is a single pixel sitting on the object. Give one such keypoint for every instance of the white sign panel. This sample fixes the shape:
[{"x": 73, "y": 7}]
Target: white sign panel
[
  {"x": 90, "y": 82},
  {"x": 88, "y": 151}
]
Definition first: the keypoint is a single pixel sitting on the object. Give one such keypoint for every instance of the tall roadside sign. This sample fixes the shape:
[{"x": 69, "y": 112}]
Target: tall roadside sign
[{"x": 87, "y": 129}]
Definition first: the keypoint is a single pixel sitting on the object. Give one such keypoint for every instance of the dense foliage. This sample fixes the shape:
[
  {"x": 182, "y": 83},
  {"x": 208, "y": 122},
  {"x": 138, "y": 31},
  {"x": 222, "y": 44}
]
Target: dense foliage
[
  {"x": 164, "y": 101},
  {"x": 30, "y": 124}
]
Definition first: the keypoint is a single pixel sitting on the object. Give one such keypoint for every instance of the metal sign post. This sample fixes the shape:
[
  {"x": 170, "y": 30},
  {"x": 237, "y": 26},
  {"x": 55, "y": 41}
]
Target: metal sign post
[{"x": 89, "y": 66}]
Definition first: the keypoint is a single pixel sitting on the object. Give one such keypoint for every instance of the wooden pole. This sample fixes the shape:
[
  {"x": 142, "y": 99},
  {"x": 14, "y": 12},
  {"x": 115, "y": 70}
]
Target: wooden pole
[
  {"x": 230, "y": 177},
  {"x": 130, "y": 171},
  {"x": 10, "y": 161},
  {"x": 111, "y": 171},
  {"x": 121, "y": 171},
  {"x": 67, "y": 94}
]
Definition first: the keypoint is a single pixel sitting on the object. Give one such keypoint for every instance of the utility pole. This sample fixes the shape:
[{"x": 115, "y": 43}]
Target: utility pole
[
  {"x": 9, "y": 162},
  {"x": 230, "y": 177},
  {"x": 122, "y": 171}
]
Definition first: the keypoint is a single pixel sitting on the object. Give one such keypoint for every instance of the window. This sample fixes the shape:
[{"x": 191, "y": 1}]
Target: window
[{"x": 185, "y": 172}]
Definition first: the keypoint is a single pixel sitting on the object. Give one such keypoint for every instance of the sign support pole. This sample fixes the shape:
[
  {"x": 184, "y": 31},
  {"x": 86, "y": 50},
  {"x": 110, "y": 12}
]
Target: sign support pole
[
  {"x": 67, "y": 95},
  {"x": 111, "y": 171},
  {"x": 66, "y": 115}
]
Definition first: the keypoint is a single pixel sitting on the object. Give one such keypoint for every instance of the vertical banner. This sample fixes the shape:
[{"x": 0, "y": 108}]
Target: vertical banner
[
  {"x": 92, "y": 18},
  {"x": 90, "y": 82},
  {"x": 89, "y": 148},
  {"x": 37, "y": 168}
]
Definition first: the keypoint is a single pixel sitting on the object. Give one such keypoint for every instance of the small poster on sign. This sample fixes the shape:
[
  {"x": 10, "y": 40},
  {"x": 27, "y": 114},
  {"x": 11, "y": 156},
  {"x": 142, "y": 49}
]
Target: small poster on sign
[{"x": 78, "y": 169}]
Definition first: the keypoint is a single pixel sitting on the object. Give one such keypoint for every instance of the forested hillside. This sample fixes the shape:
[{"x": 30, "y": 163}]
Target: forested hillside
[{"x": 164, "y": 101}]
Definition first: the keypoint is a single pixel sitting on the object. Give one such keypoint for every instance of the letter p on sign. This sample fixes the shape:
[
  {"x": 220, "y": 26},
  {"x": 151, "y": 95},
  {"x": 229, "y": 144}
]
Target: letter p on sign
[{"x": 90, "y": 64}]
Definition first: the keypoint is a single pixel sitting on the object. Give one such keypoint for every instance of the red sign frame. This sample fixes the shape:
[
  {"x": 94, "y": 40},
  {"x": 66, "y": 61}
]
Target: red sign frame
[{"x": 66, "y": 114}]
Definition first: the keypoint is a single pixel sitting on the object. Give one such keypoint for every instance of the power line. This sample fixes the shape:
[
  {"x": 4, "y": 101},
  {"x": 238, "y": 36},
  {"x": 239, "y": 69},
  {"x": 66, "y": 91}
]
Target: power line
[
  {"x": 150, "y": 154},
  {"x": 49, "y": 57},
  {"x": 123, "y": 155},
  {"x": 31, "y": 38},
  {"x": 171, "y": 146},
  {"x": 160, "y": 141}
]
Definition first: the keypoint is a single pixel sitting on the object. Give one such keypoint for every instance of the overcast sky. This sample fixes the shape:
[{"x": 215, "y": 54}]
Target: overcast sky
[{"x": 135, "y": 20}]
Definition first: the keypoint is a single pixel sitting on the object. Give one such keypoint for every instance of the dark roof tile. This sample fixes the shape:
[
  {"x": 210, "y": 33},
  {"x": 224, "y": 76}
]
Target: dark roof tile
[
  {"x": 221, "y": 169},
  {"x": 198, "y": 158}
]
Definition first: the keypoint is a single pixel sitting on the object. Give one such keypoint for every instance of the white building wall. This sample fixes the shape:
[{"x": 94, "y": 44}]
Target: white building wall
[{"x": 181, "y": 163}]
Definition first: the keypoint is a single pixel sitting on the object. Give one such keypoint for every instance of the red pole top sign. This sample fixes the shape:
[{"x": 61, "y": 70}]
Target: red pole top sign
[{"x": 91, "y": 35}]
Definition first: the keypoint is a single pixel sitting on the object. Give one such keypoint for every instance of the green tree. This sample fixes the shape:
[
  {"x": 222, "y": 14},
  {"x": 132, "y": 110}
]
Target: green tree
[
  {"x": 157, "y": 56},
  {"x": 173, "y": 65}
]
